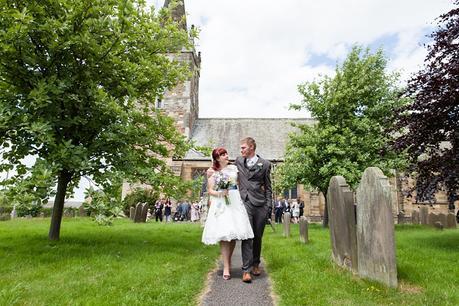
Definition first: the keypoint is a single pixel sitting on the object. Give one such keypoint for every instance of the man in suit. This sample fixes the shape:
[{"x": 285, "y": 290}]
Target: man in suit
[
  {"x": 279, "y": 210},
  {"x": 256, "y": 194}
]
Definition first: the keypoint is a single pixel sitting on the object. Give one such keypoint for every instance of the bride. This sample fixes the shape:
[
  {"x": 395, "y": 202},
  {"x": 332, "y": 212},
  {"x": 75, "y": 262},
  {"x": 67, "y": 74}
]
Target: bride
[{"x": 227, "y": 219}]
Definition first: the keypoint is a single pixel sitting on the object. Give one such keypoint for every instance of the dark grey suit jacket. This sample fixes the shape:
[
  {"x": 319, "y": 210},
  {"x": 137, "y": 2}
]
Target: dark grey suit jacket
[{"x": 255, "y": 182}]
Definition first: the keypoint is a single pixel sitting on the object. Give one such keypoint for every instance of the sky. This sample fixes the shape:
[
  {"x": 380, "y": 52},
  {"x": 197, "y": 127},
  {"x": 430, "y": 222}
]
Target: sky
[{"x": 256, "y": 52}]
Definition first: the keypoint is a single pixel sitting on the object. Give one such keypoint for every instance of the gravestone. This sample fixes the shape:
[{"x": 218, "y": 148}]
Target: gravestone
[
  {"x": 341, "y": 214},
  {"x": 432, "y": 218},
  {"x": 138, "y": 213},
  {"x": 304, "y": 235},
  {"x": 401, "y": 218},
  {"x": 82, "y": 211},
  {"x": 438, "y": 225},
  {"x": 375, "y": 229},
  {"x": 42, "y": 215},
  {"x": 451, "y": 220},
  {"x": 423, "y": 215},
  {"x": 286, "y": 224},
  {"x": 132, "y": 213},
  {"x": 443, "y": 219},
  {"x": 14, "y": 213},
  {"x": 415, "y": 217},
  {"x": 144, "y": 212}
]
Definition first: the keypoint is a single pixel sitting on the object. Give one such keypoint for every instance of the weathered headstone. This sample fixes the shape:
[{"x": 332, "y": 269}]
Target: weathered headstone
[
  {"x": 82, "y": 211},
  {"x": 341, "y": 213},
  {"x": 138, "y": 213},
  {"x": 132, "y": 213},
  {"x": 144, "y": 212},
  {"x": 42, "y": 215},
  {"x": 375, "y": 229},
  {"x": 28, "y": 216},
  {"x": 451, "y": 220},
  {"x": 415, "y": 217},
  {"x": 304, "y": 235},
  {"x": 14, "y": 213},
  {"x": 438, "y": 225},
  {"x": 286, "y": 224},
  {"x": 401, "y": 218},
  {"x": 443, "y": 219},
  {"x": 432, "y": 218},
  {"x": 423, "y": 214}
]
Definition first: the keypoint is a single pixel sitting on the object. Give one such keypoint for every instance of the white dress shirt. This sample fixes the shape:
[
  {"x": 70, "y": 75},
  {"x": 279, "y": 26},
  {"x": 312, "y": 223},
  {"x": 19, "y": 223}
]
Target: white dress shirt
[{"x": 252, "y": 161}]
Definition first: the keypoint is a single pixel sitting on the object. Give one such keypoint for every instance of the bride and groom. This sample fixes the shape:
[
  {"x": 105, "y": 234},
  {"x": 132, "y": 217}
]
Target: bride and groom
[{"x": 240, "y": 196}]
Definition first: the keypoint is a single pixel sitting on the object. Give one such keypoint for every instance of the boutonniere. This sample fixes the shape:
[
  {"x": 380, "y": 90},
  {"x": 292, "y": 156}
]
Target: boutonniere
[{"x": 259, "y": 166}]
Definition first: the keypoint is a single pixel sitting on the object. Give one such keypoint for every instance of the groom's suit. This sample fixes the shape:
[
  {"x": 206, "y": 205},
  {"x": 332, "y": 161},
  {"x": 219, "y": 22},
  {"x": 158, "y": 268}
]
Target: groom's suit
[{"x": 256, "y": 193}]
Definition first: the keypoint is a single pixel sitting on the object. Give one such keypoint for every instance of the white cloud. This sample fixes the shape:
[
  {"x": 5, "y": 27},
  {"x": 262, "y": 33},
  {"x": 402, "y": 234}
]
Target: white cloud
[{"x": 254, "y": 52}]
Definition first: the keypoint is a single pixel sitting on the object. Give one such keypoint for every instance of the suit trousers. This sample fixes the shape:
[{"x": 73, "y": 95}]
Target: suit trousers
[{"x": 251, "y": 248}]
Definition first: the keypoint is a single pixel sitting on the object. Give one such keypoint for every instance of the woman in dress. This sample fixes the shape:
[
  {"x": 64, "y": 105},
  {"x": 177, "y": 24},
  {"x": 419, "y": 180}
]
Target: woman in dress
[
  {"x": 227, "y": 219},
  {"x": 295, "y": 211}
]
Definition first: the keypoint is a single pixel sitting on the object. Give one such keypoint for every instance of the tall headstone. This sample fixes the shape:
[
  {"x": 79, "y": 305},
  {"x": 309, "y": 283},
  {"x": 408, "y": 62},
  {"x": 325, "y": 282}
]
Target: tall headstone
[
  {"x": 375, "y": 229},
  {"x": 132, "y": 213},
  {"x": 286, "y": 224},
  {"x": 432, "y": 218},
  {"x": 82, "y": 211},
  {"x": 423, "y": 214},
  {"x": 451, "y": 220},
  {"x": 144, "y": 212},
  {"x": 304, "y": 235},
  {"x": 341, "y": 214},
  {"x": 443, "y": 219},
  {"x": 138, "y": 213},
  {"x": 14, "y": 213},
  {"x": 415, "y": 217}
]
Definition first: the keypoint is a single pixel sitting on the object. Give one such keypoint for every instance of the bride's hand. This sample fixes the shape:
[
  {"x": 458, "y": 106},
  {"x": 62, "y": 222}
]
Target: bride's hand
[{"x": 224, "y": 192}]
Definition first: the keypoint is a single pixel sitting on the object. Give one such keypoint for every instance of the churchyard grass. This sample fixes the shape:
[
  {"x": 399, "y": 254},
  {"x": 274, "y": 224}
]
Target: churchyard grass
[
  {"x": 304, "y": 274},
  {"x": 125, "y": 264}
]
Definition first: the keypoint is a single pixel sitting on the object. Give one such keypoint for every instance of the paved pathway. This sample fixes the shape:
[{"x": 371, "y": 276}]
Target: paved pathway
[{"x": 234, "y": 291}]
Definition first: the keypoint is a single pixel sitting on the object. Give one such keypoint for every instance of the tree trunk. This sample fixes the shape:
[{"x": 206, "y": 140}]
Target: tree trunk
[
  {"x": 325, "y": 220},
  {"x": 63, "y": 180}
]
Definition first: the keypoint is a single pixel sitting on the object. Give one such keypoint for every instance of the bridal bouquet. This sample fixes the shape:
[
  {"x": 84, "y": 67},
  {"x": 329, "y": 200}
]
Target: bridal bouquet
[{"x": 222, "y": 182}]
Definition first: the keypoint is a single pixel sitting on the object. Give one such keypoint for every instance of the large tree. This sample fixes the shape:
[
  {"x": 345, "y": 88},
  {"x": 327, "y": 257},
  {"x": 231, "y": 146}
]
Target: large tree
[
  {"x": 429, "y": 126},
  {"x": 352, "y": 110},
  {"x": 78, "y": 81}
]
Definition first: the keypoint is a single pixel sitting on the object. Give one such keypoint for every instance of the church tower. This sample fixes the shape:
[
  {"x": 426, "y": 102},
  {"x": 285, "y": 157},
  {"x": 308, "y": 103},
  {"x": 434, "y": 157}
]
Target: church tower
[{"x": 182, "y": 102}]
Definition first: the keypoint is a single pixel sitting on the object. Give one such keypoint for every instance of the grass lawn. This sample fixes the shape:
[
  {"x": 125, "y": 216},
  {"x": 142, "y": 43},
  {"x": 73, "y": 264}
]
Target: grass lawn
[
  {"x": 427, "y": 264},
  {"x": 126, "y": 264}
]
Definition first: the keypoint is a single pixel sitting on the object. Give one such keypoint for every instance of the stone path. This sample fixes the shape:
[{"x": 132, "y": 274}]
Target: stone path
[{"x": 234, "y": 291}]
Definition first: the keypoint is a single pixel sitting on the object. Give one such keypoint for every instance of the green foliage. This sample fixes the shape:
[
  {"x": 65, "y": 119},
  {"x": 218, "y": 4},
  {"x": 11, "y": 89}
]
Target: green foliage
[
  {"x": 352, "y": 110},
  {"x": 103, "y": 207},
  {"x": 29, "y": 190},
  {"x": 78, "y": 81}
]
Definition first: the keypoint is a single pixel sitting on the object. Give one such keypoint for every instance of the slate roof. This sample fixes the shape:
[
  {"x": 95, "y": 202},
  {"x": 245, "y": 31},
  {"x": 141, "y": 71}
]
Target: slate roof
[{"x": 271, "y": 135}]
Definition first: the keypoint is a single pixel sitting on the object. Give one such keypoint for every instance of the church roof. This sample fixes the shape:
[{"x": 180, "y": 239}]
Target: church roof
[{"x": 271, "y": 135}]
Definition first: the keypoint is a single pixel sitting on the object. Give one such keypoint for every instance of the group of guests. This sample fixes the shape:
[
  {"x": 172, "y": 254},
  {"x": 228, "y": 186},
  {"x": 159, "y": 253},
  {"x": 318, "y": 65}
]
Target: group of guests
[
  {"x": 292, "y": 206},
  {"x": 184, "y": 211}
]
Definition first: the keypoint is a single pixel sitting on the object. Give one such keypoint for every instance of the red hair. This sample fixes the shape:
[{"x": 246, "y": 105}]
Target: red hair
[{"x": 216, "y": 153}]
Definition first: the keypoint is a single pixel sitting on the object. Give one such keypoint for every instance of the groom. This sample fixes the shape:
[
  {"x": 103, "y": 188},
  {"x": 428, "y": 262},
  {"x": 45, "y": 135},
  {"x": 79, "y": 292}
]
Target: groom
[{"x": 256, "y": 193}]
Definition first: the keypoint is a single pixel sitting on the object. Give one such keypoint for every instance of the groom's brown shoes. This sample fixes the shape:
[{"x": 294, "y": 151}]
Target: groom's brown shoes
[
  {"x": 246, "y": 278},
  {"x": 256, "y": 271}
]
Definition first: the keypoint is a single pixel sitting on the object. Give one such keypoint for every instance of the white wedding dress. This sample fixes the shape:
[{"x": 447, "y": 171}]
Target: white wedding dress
[{"x": 226, "y": 222}]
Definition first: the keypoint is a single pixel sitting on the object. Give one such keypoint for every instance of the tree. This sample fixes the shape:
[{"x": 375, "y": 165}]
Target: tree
[
  {"x": 429, "y": 126},
  {"x": 352, "y": 110},
  {"x": 78, "y": 81}
]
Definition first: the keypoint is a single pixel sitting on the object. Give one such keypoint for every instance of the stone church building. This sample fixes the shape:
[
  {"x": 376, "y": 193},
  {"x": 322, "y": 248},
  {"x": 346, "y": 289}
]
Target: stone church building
[{"x": 271, "y": 135}]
